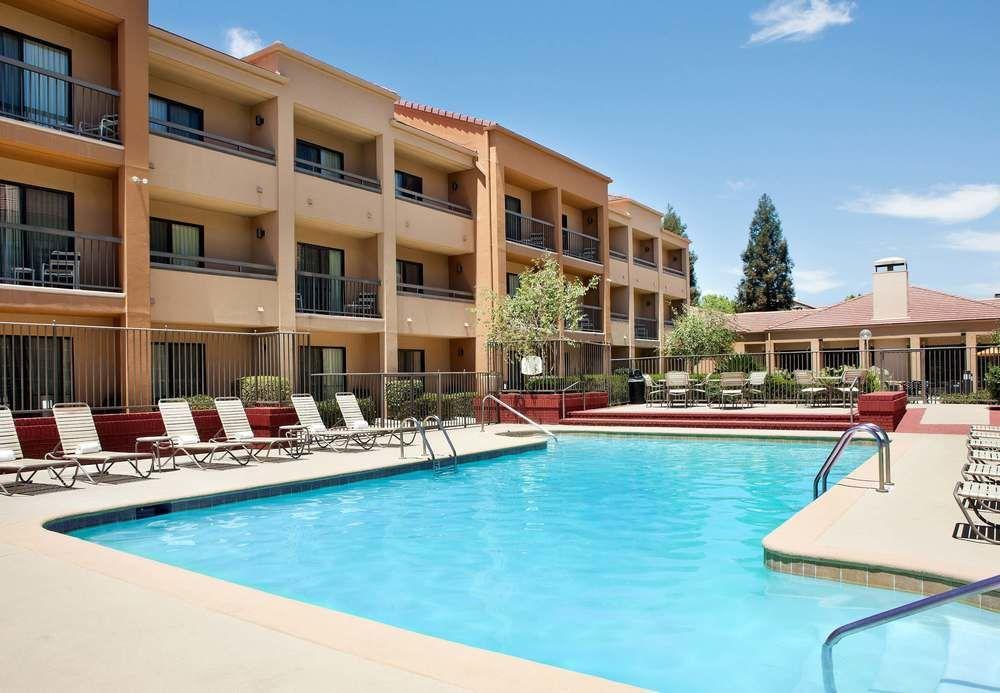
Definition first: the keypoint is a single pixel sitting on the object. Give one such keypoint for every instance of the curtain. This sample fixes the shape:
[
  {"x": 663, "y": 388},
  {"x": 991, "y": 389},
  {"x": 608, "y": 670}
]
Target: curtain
[
  {"x": 11, "y": 239},
  {"x": 333, "y": 362},
  {"x": 186, "y": 241},
  {"x": 48, "y": 209},
  {"x": 330, "y": 159},
  {"x": 47, "y": 99},
  {"x": 158, "y": 111},
  {"x": 11, "y": 78}
]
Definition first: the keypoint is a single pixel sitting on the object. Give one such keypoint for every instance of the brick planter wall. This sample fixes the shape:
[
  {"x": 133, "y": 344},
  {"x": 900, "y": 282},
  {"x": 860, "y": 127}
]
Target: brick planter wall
[
  {"x": 546, "y": 408},
  {"x": 885, "y": 409}
]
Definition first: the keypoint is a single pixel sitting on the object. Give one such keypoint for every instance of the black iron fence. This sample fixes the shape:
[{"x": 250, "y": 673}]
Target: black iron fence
[
  {"x": 530, "y": 231},
  {"x": 39, "y": 256},
  {"x": 202, "y": 138},
  {"x": 326, "y": 295},
  {"x": 580, "y": 245}
]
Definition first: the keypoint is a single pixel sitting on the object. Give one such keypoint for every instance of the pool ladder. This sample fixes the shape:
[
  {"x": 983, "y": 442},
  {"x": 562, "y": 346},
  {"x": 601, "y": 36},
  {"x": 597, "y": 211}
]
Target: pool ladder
[
  {"x": 884, "y": 473},
  {"x": 428, "y": 451}
]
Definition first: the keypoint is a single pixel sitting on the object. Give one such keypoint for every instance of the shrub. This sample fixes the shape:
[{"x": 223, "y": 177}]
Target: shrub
[
  {"x": 872, "y": 382},
  {"x": 977, "y": 397},
  {"x": 197, "y": 402},
  {"x": 399, "y": 392},
  {"x": 264, "y": 388},
  {"x": 992, "y": 382},
  {"x": 737, "y": 363},
  {"x": 330, "y": 412}
]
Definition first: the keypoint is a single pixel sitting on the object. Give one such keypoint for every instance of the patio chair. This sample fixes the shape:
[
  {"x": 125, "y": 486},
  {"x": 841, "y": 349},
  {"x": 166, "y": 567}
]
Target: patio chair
[
  {"x": 850, "y": 385},
  {"x": 324, "y": 436},
  {"x": 984, "y": 432},
  {"x": 236, "y": 429},
  {"x": 654, "y": 392},
  {"x": 185, "y": 439},
  {"x": 809, "y": 387},
  {"x": 755, "y": 386},
  {"x": 78, "y": 440},
  {"x": 989, "y": 454},
  {"x": 678, "y": 385},
  {"x": 732, "y": 387},
  {"x": 975, "y": 498},
  {"x": 13, "y": 461},
  {"x": 355, "y": 420},
  {"x": 982, "y": 471}
]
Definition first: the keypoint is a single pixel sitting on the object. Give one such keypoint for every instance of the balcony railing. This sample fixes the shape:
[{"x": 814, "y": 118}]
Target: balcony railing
[
  {"x": 619, "y": 317},
  {"x": 325, "y": 295},
  {"x": 40, "y": 96},
  {"x": 44, "y": 257},
  {"x": 580, "y": 245},
  {"x": 219, "y": 143},
  {"x": 530, "y": 231},
  {"x": 645, "y": 328},
  {"x": 338, "y": 175},
  {"x": 211, "y": 265},
  {"x": 434, "y": 292},
  {"x": 433, "y": 202},
  {"x": 643, "y": 262},
  {"x": 668, "y": 322},
  {"x": 618, "y": 254},
  {"x": 591, "y": 320},
  {"x": 673, "y": 270}
]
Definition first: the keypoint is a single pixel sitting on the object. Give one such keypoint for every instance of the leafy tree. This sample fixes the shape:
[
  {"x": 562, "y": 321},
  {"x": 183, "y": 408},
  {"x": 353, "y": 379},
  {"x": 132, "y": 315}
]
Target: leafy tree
[
  {"x": 544, "y": 299},
  {"x": 672, "y": 222},
  {"x": 767, "y": 267},
  {"x": 701, "y": 332},
  {"x": 849, "y": 297},
  {"x": 718, "y": 302}
]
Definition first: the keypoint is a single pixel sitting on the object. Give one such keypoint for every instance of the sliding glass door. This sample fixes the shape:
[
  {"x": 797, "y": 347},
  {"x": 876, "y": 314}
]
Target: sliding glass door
[
  {"x": 31, "y": 95},
  {"x": 28, "y": 255},
  {"x": 320, "y": 279}
]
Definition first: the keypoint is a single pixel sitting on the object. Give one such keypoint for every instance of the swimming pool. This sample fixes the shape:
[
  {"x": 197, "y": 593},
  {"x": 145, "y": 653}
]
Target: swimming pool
[{"x": 635, "y": 558}]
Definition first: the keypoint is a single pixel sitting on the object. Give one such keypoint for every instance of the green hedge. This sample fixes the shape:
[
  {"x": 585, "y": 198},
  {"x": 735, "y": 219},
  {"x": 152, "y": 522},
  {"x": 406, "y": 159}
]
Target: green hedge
[
  {"x": 330, "y": 412},
  {"x": 197, "y": 402},
  {"x": 264, "y": 388},
  {"x": 977, "y": 397}
]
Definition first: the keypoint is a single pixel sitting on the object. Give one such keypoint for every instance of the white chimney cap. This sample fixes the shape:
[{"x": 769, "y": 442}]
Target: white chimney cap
[{"x": 891, "y": 261}]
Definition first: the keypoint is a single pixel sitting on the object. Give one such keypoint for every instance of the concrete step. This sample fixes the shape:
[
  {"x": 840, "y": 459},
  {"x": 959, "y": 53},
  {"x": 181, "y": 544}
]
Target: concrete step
[{"x": 790, "y": 423}]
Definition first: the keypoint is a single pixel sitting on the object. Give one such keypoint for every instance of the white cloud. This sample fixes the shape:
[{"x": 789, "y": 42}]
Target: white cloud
[
  {"x": 948, "y": 204},
  {"x": 815, "y": 281},
  {"x": 241, "y": 42},
  {"x": 979, "y": 241},
  {"x": 798, "y": 20},
  {"x": 739, "y": 185}
]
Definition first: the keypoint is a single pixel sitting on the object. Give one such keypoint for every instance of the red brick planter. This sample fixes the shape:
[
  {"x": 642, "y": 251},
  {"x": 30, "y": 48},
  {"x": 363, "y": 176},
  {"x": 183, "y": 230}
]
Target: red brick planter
[
  {"x": 547, "y": 408},
  {"x": 885, "y": 409}
]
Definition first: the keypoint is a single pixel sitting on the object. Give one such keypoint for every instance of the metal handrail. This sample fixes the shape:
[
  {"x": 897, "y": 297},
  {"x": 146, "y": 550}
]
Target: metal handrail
[
  {"x": 482, "y": 416},
  {"x": 673, "y": 270},
  {"x": 434, "y": 292},
  {"x": 423, "y": 436},
  {"x": 884, "y": 473},
  {"x": 337, "y": 175},
  {"x": 894, "y": 614},
  {"x": 163, "y": 261},
  {"x": 530, "y": 218},
  {"x": 440, "y": 426},
  {"x": 636, "y": 260},
  {"x": 618, "y": 254},
  {"x": 562, "y": 402},
  {"x": 211, "y": 140},
  {"x": 433, "y": 202},
  {"x": 4, "y": 225}
]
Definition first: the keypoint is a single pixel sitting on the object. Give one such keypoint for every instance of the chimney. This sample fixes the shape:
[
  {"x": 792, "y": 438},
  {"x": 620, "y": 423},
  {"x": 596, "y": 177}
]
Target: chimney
[{"x": 890, "y": 289}]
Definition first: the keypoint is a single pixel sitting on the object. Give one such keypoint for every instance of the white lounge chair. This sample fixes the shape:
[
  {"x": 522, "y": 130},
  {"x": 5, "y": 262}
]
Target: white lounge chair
[
  {"x": 678, "y": 386},
  {"x": 236, "y": 429},
  {"x": 323, "y": 435},
  {"x": 355, "y": 421},
  {"x": 654, "y": 393},
  {"x": 982, "y": 471},
  {"x": 185, "y": 439},
  {"x": 78, "y": 440},
  {"x": 975, "y": 498},
  {"x": 13, "y": 461}
]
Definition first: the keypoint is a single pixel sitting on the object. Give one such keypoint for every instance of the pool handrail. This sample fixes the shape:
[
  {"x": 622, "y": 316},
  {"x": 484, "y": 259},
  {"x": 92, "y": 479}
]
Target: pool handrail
[
  {"x": 444, "y": 431},
  {"x": 894, "y": 614},
  {"x": 884, "y": 472},
  {"x": 482, "y": 416},
  {"x": 423, "y": 436}
]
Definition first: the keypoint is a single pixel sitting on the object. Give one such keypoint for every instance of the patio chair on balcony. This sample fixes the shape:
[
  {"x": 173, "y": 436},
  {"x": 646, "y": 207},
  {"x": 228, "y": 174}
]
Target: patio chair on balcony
[
  {"x": 850, "y": 385},
  {"x": 78, "y": 440},
  {"x": 236, "y": 429},
  {"x": 105, "y": 129},
  {"x": 654, "y": 393},
  {"x": 732, "y": 387},
  {"x": 62, "y": 269},
  {"x": 366, "y": 303},
  {"x": 13, "y": 461},
  {"x": 975, "y": 499},
  {"x": 755, "y": 386},
  {"x": 809, "y": 387},
  {"x": 185, "y": 439},
  {"x": 678, "y": 386}
]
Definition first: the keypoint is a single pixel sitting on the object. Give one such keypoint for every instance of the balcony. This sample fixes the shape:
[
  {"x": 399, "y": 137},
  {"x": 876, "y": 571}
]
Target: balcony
[
  {"x": 529, "y": 231},
  {"x": 211, "y": 265},
  {"x": 618, "y": 254},
  {"x": 619, "y": 317},
  {"x": 434, "y": 312},
  {"x": 426, "y": 224},
  {"x": 338, "y": 175},
  {"x": 645, "y": 328},
  {"x": 675, "y": 283},
  {"x": 591, "y": 319},
  {"x": 581, "y": 246},
  {"x": 321, "y": 294},
  {"x": 433, "y": 202},
  {"x": 60, "y": 102},
  {"x": 51, "y": 258},
  {"x": 434, "y": 292},
  {"x": 644, "y": 262},
  {"x": 236, "y": 299},
  {"x": 219, "y": 143}
]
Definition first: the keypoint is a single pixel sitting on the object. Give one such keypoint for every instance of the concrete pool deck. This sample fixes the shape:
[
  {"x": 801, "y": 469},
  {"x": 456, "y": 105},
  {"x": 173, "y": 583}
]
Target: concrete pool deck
[{"x": 81, "y": 616}]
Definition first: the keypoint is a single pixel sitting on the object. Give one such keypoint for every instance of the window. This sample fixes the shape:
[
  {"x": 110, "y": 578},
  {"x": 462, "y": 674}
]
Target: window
[
  {"x": 409, "y": 185},
  {"x": 162, "y": 111},
  {"x": 565, "y": 221},
  {"x": 837, "y": 358},
  {"x": 513, "y": 223},
  {"x": 411, "y": 361},
  {"x": 324, "y": 371},
  {"x": 178, "y": 369},
  {"x": 513, "y": 281},
  {"x": 411, "y": 273},
  {"x": 175, "y": 238},
  {"x": 794, "y": 360},
  {"x": 33, "y": 96},
  {"x": 329, "y": 162},
  {"x": 26, "y": 255},
  {"x": 34, "y": 370},
  {"x": 319, "y": 280}
]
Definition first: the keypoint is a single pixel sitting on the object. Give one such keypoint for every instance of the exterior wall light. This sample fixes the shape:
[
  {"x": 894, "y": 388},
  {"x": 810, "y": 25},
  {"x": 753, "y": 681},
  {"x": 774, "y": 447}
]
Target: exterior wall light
[
  {"x": 258, "y": 119},
  {"x": 261, "y": 232},
  {"x": 141, "y": 181}
]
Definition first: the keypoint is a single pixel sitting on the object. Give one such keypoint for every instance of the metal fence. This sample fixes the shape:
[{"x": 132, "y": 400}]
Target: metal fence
[
  {"x": 40, "y": 256},
  {"x": 129, "y": 369},
  {"x": 329, "y": 295},
  {"x": 526, "y": 230},
  {"x": 580, "y": 245}
]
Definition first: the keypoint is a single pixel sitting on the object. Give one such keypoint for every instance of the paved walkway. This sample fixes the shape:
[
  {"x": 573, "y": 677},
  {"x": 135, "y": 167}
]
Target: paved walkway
[{"x": 947, "y": 418}]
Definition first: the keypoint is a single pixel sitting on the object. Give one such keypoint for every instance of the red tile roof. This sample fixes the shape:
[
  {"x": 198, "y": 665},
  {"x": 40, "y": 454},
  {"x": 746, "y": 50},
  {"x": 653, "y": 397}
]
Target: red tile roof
[
  {"x": 433, "y": 110},
  {"x": 762, "y": 321}
]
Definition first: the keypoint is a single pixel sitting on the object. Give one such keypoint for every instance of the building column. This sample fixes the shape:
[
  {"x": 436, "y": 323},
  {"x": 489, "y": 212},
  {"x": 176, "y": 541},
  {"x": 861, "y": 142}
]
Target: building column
[
  {"x": 815, "y": 346},
  {"x": 385, "y": 148},
  {"x": 971, "y": 362},
  {"x": 917, "y": 363}
]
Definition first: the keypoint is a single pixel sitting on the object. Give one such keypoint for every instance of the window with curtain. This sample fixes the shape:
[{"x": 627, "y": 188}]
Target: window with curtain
[
  {"x": 329, "y": 162},
  {"x": 168, "y": 237},
  {"x": 26, "y": 254},
  {"x": 411, "y": 361},
  {"x": 408, "y": 272},
  {"x": 320, "y": 279},
  {"x": 35, "y": 370},
  {"x": 513, "y": 280},
  {"x": 30, "y": 95},
  {"x": 409, "y": 185},
  {"x": 324, "y": 371},
  {"x": 167, "y": 111},
  {"x": 178, "y": 369}
]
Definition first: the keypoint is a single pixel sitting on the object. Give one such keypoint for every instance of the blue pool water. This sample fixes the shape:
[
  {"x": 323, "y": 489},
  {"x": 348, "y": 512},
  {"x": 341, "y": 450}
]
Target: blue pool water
[{"x": 633, "y": 558}]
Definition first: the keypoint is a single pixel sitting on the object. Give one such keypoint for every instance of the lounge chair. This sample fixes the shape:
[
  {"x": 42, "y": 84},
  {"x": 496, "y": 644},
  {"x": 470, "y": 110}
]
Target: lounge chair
[
  {"x": 321, "y": 434},
  {"x": 185, "y": 439},
  {"x": 654, "y": 393},
  {"x": 13, "y": 461},
  {"x": 975, "y": 498},
  {"x": 355, "y": 421},
  {"x": 78, "y": 440},
  {"x": 678, "y": 386},
  {"x": 850, "y": 385},
  {"x": 809, "y": 387},
  {"x": 732, "y": 387},
  {"x": 981, "y": 471},
  {"x": 755, "y": 386},
  {"x": 236, "y": 429},
  {"x": 984, "y": 431}
]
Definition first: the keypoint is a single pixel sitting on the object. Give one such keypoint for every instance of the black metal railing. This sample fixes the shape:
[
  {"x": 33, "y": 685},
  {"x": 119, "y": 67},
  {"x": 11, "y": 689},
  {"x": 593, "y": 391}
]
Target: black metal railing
[
  {"x": 580, "y": 245},
  {"x": 44, "y": 257},
  {"x": 643, "y": 262},
  {"x": 338, "y": 175},
  {"x": 591, "y": 319},
  {"x": 211, "y": 265},
  {"x": 645, "y": 328},
  {"x": 619, "y": 317},
  {"x": 563, "y": 363},
  {"x": 434, "y": 292},
  {"x": 433, "y": 202},
  {"x": 36, "y": 95},
  {"x": 618, "y": 254},
  {"x": 205, "y": 139},
  {"x": 678, "y": 271},
  {"x": 325, "y": 295},
  {"x": 530, "y": 231}
]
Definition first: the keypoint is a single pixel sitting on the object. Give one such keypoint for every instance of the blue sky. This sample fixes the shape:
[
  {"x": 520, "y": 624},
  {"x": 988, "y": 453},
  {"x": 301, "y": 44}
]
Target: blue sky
[{"x": 874, "y": 126}]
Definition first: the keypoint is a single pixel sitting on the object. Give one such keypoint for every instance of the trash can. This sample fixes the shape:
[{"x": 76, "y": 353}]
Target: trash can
[{"x": 636, "y": 387}]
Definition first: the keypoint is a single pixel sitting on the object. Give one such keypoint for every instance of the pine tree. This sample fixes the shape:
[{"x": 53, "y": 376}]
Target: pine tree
[
  {"x": 672, "y": 222},
  {"x": 767, "y": 267}
]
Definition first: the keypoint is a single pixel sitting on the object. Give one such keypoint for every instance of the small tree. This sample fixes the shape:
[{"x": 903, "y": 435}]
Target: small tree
[
  {"x": 718, "y": 302},
  {"x": 545, "y": 298},
  {"x": 767, "y": 267},
  {"x": 672, "y": 222},
  {"x": 701, "y": 332}
]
